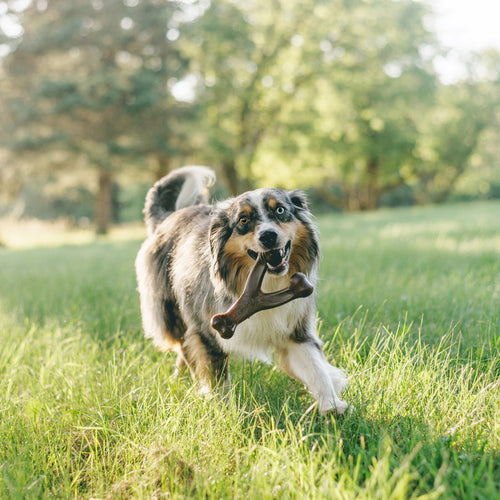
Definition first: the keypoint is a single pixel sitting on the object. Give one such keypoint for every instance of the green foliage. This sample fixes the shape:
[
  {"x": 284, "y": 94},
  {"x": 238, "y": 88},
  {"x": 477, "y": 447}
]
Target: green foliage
[
  {"x": 407, "y": 306},
  {"x": 91, "y": 79},
  {"x": 357, "y": 123},
  {"x": 465, "y": 117},
  {"x": 339, "y": 96},
  {"x": 54, "y": 202}
]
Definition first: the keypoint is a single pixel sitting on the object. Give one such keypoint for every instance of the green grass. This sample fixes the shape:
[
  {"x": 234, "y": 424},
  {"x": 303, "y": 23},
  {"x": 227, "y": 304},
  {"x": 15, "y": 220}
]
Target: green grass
[{"x": 409, "y": 305}]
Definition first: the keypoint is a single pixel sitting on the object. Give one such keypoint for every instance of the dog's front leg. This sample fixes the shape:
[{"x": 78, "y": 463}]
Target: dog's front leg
[{"x": 306, "y": 362}]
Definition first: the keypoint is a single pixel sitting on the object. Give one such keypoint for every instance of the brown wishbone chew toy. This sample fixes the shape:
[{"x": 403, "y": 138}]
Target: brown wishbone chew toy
[{"x": 253, "y": 300}]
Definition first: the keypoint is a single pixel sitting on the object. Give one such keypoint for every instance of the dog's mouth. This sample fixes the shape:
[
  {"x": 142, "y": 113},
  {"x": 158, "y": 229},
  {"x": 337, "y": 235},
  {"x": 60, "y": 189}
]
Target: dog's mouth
[{"x": 276, "y": 260}]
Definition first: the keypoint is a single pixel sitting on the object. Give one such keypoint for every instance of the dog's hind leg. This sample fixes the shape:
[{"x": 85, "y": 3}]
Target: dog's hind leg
[
  {"x": 208, "y": 365},
  {"x": 306, "y": 362},
  {"x": 160, "y": 317},
  {"x": 180, "y": 365}
]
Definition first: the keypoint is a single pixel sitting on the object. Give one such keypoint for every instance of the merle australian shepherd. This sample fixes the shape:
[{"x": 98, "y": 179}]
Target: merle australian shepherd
[{"x": 194, "y": 265}]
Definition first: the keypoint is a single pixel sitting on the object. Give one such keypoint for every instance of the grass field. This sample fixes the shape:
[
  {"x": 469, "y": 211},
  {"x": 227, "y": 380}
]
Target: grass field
[{"x": 408, "y": 305}]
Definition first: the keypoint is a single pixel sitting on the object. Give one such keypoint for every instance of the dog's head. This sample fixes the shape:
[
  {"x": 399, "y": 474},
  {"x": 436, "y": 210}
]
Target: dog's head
[{"x": 271, "y": 221}]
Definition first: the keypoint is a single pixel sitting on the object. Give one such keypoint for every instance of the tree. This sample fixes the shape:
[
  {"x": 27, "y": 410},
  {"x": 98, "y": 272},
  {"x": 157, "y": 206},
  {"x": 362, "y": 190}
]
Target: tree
[
  {"x": 464, "y": 112},
  {"x": 90, "y": 79},
  {"x": 339, "y": 95},
  {"x": 355, "y": 127},
  {"x": 250, "y": 60}
]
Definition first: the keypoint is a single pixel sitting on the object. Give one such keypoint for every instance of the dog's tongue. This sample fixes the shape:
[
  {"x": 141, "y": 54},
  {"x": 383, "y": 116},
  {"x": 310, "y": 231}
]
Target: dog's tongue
[{"x": 274, "y": 257}]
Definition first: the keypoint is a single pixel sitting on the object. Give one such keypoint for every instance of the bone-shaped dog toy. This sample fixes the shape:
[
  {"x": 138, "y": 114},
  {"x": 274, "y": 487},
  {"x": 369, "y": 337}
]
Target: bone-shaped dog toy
[{"x": 253, "y": 300}]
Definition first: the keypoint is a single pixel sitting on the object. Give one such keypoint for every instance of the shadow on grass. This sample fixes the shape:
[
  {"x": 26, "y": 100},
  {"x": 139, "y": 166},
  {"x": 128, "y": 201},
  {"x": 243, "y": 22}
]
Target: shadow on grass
[{"x": 372, "y": 447}]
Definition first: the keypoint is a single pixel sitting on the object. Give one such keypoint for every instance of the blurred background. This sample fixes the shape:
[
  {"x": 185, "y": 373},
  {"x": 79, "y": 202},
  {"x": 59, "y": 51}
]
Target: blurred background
[{"x": 364, "y": 103}]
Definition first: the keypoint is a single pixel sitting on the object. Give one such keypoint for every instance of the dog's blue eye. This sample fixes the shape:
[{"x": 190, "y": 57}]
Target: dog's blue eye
[{"x": 280, "y": 210}]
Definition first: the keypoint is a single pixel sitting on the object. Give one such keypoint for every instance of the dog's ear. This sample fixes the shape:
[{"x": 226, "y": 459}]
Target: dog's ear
[
  {"x": 219, "y": 233},
  {"x": 298, "y": 199}
]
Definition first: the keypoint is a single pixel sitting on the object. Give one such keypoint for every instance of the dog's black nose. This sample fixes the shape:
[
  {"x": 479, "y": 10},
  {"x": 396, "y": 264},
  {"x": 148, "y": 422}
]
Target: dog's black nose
[{"x": 268, "y": 238}]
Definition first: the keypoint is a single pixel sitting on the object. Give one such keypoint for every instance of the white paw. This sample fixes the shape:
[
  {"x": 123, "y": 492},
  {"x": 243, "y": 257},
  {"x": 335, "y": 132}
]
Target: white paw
[
  {"x": 338, "y": 406},
  {"x": 204, "y": 390},
  {"x": 341, "y": 407},
  {"x": 339, "y": 380}
]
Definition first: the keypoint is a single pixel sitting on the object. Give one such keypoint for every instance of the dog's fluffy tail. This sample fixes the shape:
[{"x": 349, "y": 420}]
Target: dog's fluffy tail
[{"x": 181, "y": 188}]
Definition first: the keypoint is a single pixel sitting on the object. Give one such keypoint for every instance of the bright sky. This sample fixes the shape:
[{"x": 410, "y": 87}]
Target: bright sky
[{"x": 464, "y": 26}]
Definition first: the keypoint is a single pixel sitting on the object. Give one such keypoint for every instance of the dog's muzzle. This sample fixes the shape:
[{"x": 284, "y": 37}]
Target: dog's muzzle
[{"x": 276, "y": 260}]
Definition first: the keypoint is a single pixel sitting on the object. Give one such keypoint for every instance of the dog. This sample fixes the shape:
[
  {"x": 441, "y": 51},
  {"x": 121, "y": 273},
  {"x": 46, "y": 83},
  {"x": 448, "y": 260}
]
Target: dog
[{"x": 194, "y": 264}]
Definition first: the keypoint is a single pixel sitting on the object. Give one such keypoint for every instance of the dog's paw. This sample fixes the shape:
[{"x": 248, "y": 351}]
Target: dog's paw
[
  {"x": 339, "y": 407},
  {"x": 204, "y": 390},
  {"x": 339, "y": 380}
]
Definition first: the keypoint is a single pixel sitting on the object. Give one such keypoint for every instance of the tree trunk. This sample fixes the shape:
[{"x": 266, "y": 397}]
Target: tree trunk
[
  {"x": 103, "y": 202},
  {"x": 353, "y": 199},
  {"x": 231, "y": 176},
  {"x": 331, "y": 198},
  {"x": 442, "y": 194},
  {"x": 368, "y": 199},
  {"x": 162, "y": 166}
]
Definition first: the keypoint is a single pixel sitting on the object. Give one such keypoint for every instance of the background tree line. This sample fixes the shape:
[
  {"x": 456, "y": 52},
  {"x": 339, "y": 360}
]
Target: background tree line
[{"x": 340, "y": 96}]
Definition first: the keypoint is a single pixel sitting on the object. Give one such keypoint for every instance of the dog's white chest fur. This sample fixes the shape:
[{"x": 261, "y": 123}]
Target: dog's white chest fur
[{"x": 268, "y": 330}]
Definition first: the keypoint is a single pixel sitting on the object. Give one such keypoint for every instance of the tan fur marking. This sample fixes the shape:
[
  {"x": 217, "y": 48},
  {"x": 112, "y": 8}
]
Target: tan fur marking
[
  {"x": 197, "y": 360},
  {"x": 246, "y": 210},
  {"x": 238, "y": 244},
  {"x": 273, "y": 202},
  {"x": 236, "y": 250},
  {"x": 168, "y": 343},
  {"x": 299, "y": 259}
]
